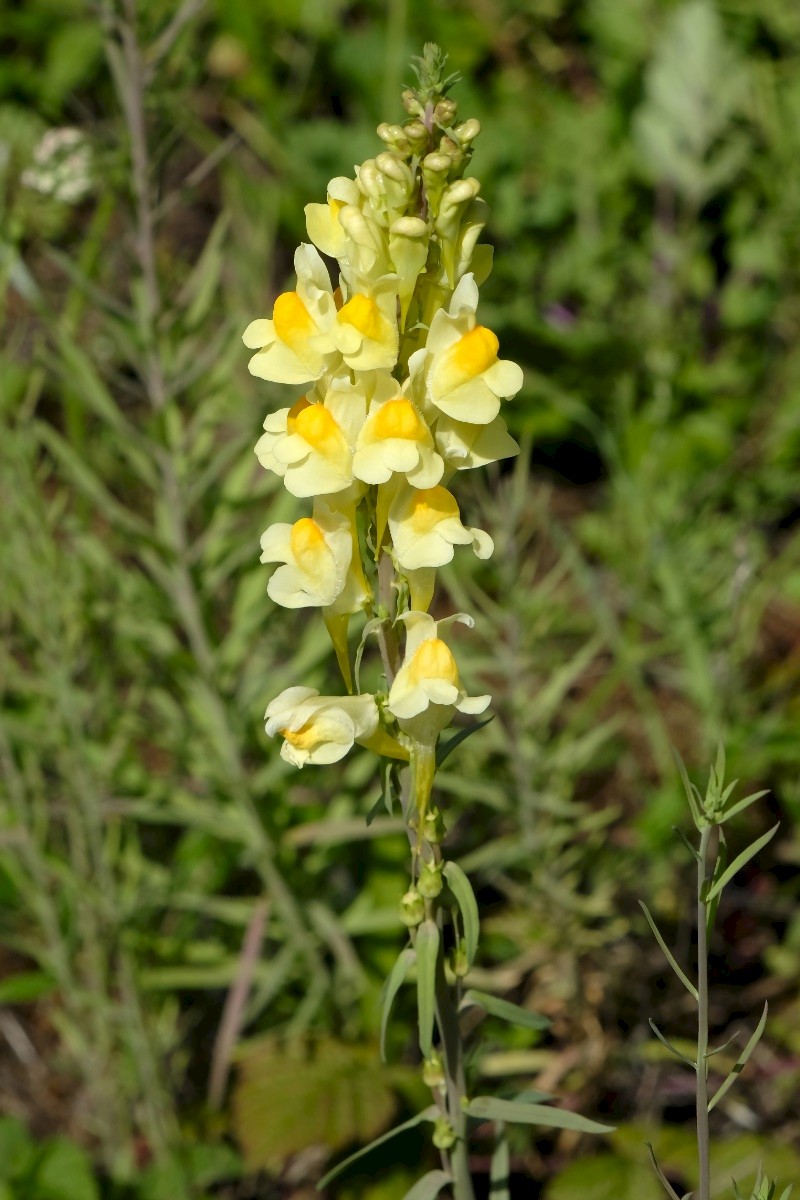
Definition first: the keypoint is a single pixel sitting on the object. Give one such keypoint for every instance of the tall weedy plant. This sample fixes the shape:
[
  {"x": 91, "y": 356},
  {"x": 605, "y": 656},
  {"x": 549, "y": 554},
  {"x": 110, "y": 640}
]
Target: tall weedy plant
[{"x": 405, "y": 391}]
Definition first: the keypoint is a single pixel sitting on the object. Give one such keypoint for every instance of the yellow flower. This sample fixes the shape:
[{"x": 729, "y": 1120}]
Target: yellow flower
[
  {"x": 366, "y": 327},
  {"x": 322, "y": 220},
  {"x": 396, "y": 439},
  {"x": 311, "y": 444},
  {"x": 425, "y": 525},
  {"x": 295, "y": 345},
  {"x": 463, "y": 446},
  {"x": 463, "y": 376},
  {"x": 319, "y": 729},
  {"x": 316, "y": 553},
  {"x": 427, "y": 690}
]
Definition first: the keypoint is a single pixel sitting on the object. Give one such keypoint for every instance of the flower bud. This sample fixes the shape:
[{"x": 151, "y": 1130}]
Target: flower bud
[
  {"x": 459, "y": 961},
  {"x": 435, "y": 169},
  {"x": 412, "y": 908},
  {"x": 467, "y": 131},
  {"x": 433, "y": 1071},
  {"x": 433, "y": 830},
  {"x": 445, "y": 113},
  {"x": 452, "y": 205},
  {"x": 395, "y": 137},
  {"x": 416, "y": 135},
  {"x": 411, "y": 104},
  {"x": 408, "y": 251},
  {"x": 430, "y": 880},
  {"x": 444, "y": 1136}
]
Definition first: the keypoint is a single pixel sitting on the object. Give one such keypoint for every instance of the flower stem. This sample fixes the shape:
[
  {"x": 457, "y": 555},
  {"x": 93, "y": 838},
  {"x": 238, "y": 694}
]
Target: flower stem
[
  {"x": 453, "y": 1060},
  {"x": 704, "y": 869}
]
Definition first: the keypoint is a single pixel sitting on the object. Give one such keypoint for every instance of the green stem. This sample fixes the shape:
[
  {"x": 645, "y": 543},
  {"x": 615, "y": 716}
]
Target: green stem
[
  {"x": 704, "y": 869},
  {"x": 453, "y": 1060}
]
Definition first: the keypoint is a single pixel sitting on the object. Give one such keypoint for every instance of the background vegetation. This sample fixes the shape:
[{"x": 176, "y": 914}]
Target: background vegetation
[{"x": 157, "y": 859}]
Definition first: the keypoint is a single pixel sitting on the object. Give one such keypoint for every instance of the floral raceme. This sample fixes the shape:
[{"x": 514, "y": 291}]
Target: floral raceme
[{"x": 399, "y": 387}]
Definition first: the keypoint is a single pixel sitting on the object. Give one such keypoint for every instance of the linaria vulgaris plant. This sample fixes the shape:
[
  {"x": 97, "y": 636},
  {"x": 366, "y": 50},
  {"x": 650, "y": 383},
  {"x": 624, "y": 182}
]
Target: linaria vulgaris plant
[{"x": 405, "y": 389}]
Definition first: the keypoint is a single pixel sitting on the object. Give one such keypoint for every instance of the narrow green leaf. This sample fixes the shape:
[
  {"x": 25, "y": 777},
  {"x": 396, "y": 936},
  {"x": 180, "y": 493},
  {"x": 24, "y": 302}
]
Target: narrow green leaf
[
  {"x": 428, "y": 1114},
  {"x": 391, "y": 987},
  {"x": 490, "y": 1108},
  {"x": 687, "y": 983},
  {"x": 787, "y": 1192},
  {"x": 692, "y": 794},
  {"x": 445, "y": 749},
  {"x": 742, "y": 1059},
  {"x": 741, "y": 805},
  {"x": 500, "y": 1166},
  {"x": 670, "y": 1190},
  {"x": 669, "y": 1045},
  {"x": 686, "y": 842},
  {"x": 461, "y": 888},
  {"x": 504, "y": 1009},
  {"x": 740, "y": 861},
  {"x": 427, "y": 951},
  {"x": 429, "y": 1186}
]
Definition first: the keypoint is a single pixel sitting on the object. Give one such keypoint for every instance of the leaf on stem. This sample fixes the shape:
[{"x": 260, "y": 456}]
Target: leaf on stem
[
  {"x": 740, "y": 861},
  {"x": 445, "y": 749},
  {"x": 687, "y": 983},
  {"x": 741, "y": 805},
  {"x": 394, "y": 981},
  {"x": 668, "y": 1188},
  {"x": 692, "y": 794},
  {"x": 672, "y": 1049},
  {"x": 694, "y": 853},
  {"x": 428, "y": 1114},
  {"x": 504, "y": 1009},
  {"x": 719, "y": 868},
  {"x": 429, "y": 1186},
  {"x": 742, "y": 1059},
  {"x": 500, "y": 1166},
  {"x": 461, "y": 888},
  {"x": 427, "y": 952},
  {"x": 490, "y": 1108}
]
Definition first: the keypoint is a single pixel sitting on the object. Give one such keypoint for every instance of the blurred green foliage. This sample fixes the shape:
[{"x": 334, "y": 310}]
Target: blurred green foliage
[{"x": 642, "y": 160}]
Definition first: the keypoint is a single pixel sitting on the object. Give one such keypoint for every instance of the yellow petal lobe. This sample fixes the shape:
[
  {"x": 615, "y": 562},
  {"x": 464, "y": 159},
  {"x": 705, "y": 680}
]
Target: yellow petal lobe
[
  {"x": 433, "y": 659},
  {"x": 303, "y": 738},
  {"x": 307, "y": 543},
  {"x": 317, "y": 427},
  {"x": 294, "y": 413},
  {"x": 397, "y": 419},
  {"x": 293, "y": 322},
  {"x": 364, "y": 315},
  {"x": 474, "y": 353},
  {"x": 430, "y": 506}
]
